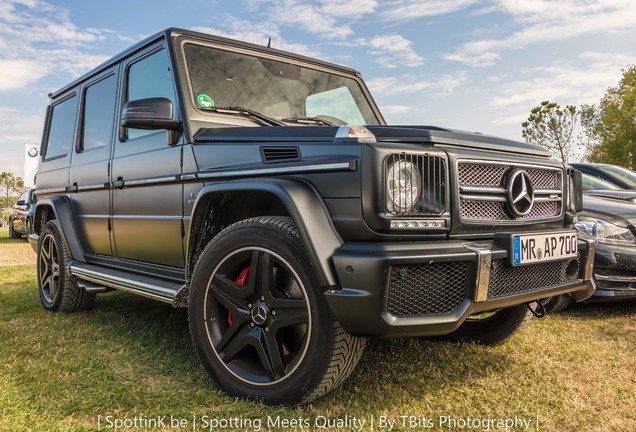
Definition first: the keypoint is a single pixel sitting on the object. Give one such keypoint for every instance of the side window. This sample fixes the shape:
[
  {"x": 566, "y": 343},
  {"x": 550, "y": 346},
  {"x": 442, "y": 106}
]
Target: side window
[
  {"x": 149, "y": 77},
  {"x": 62, "y": 130},
  {"x": 99, "y": 113}
]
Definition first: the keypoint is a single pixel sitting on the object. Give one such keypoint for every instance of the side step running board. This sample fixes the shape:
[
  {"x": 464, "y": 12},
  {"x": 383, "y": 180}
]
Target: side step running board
[{"x": 150, "y": 287}]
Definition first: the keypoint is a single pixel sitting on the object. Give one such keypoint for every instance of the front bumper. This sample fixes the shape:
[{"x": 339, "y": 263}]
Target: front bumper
[
  {"x": 614, "y": 273},
  {"x": 427, "y": 289}
]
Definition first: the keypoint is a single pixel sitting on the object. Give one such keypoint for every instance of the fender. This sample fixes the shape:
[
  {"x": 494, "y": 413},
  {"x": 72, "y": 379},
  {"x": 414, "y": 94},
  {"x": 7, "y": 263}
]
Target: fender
[
  {"x": 62, "y": 209},
  {"x": 304, "y": 206}
]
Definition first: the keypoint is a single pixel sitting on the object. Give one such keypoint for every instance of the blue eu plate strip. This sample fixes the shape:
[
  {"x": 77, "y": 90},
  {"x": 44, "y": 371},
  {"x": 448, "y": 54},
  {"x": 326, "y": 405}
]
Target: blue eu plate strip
[{"x": 516, "y": 250}]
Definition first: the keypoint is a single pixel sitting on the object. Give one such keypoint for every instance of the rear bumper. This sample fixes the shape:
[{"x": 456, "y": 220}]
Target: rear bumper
[{"x": 391, "y": 290}]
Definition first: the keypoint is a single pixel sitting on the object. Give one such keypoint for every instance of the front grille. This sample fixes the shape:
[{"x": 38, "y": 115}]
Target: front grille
[
  {"x": 483, "y": 194},
  {"x": 426, "y": 289},
  {"x": 432, "y": 175},
  {"x": 506, "y": 280}
]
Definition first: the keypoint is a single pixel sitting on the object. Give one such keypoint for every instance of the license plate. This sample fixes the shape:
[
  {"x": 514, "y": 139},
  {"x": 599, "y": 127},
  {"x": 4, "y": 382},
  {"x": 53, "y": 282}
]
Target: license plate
[{"x": 527, "y": 249}]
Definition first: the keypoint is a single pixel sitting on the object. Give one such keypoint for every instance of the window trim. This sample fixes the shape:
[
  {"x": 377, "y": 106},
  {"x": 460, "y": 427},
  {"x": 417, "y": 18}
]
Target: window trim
[
  {"x": 123, "y": 131},
  {"x": 45, "y": 147},
  {"x": 79, "y": 145}
]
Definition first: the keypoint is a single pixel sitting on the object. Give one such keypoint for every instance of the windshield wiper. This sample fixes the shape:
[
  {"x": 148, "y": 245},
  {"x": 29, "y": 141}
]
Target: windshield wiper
[
  {"x": 245, "y": 112},
  {"x": 308, "y": 120}
]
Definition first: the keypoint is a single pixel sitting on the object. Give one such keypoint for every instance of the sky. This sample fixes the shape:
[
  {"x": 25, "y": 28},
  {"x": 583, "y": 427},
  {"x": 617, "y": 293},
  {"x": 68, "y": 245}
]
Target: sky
[{"x": 477, "y": 65}]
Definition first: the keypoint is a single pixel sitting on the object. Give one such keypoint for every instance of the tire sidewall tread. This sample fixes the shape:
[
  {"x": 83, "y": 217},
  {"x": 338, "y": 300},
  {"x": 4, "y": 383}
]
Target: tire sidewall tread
[
  {"x": 70, "y": 296},
  {"x": 332, "y": 353}
]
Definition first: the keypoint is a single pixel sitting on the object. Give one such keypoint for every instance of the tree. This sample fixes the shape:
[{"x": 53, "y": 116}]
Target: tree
[
  {"x": 552, "y": 127},
  {"x": 613, "y": 123},
  {"x": 10, "y": 184},
  {"x": 587, "y": 137}
]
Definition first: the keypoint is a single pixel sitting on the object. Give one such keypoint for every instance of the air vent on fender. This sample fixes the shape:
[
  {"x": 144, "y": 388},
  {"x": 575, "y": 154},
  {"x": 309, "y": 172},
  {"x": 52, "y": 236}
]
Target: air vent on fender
[{"x": 280, "y": 154}]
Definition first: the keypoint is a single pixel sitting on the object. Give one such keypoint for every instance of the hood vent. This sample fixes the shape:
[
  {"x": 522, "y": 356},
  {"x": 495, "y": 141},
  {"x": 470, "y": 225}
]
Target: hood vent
[{"x": 280, "y": 154}]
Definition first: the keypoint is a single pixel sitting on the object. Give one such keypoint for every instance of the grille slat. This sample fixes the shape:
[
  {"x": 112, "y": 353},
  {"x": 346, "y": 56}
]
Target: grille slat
[
  {"x": 426, "y": 289},
  {"x": 485, "y": 175}
]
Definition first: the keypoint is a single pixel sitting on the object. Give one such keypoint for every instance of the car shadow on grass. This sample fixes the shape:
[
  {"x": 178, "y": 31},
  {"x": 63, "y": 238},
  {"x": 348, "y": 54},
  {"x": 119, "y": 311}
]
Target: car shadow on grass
[{"x": 400, "y": 369}]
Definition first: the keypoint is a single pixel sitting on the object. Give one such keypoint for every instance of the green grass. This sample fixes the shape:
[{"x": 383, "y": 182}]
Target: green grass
[{"x": 133, "y": 357}]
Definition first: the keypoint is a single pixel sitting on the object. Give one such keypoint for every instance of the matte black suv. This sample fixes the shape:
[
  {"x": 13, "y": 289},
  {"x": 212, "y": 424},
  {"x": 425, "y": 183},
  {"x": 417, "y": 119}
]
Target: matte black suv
[{"x": 223, "y": 176}]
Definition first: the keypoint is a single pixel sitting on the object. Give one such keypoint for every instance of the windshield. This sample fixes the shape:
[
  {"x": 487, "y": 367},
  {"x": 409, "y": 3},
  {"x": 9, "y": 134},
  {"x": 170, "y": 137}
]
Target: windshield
[
  {"x": 279, "y": 90},
  {"x": 620, "y": 173},
  {"x": 593, "y": 183}
]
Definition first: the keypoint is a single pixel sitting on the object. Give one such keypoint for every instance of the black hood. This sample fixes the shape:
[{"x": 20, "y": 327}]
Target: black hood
[
  {"x": 624, "y": 195},
  {"x": 459, "y": 138},
  {"x": 405, "y": 134},
  {"x": 618, "y": 212}
]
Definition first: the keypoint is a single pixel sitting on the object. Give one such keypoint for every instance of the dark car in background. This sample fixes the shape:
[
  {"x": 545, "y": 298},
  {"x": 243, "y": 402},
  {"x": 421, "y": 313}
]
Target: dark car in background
[
  {"x": 612, "y": 223},
  {"x": 21, "y": 216},
  {"x": 617, "y": 175},
  {"x": 597, "y": 187}
]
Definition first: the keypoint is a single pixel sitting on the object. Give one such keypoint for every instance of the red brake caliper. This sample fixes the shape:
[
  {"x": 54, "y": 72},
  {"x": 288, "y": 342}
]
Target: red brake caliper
[{"x": 240, "y": 280}]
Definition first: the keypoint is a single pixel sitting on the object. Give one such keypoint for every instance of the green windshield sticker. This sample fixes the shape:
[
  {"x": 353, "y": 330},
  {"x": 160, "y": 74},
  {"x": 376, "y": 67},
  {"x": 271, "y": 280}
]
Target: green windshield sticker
[{"x": 205, "y": 101}]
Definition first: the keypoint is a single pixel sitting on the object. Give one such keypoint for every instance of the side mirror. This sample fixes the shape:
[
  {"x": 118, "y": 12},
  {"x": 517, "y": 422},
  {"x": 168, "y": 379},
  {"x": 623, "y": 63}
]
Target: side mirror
[
  {"x": 151, "y": 113},
  {"x": 21, "y": 202}
]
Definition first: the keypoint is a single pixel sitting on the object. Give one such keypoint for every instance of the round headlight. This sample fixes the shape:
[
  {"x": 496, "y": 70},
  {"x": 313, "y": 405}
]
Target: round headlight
[{"x": 403, "y": 185}]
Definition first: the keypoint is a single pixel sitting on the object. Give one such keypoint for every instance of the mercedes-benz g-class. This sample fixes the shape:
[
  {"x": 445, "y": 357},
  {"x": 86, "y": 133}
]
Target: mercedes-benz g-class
[{"x": 264, "y": 191}]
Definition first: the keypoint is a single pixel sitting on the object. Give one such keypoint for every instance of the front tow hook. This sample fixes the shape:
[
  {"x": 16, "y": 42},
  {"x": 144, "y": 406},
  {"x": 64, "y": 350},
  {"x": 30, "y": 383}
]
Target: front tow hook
[{"x": 538, "y": 310}]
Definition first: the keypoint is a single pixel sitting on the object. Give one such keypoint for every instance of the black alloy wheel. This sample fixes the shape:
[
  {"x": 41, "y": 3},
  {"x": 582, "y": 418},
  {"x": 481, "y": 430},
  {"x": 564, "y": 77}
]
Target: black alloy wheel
[
  {"x": 49, "y": 269},
  {"x": 259, "y": 320},
  {"x": 59, "y": 291},
  {"x": 268, "y": 315}
]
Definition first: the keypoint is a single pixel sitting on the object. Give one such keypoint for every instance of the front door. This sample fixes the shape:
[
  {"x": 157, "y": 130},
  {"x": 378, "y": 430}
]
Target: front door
[{"x": 147, "y": 196}]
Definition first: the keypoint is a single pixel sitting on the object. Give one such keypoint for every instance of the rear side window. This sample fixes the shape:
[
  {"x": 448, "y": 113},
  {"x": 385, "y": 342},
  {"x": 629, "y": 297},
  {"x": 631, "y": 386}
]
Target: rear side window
[
  {"x": 62, "y": 130},
  {"x": 99, "y": 113},
  {"x": 147, "y": 78}
]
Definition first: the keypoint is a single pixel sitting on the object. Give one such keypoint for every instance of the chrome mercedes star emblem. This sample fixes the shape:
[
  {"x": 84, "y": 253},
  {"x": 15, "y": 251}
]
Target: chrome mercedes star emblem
[
  {"x": 259, "y": 315},
  {"x": 520, "y": 193}
]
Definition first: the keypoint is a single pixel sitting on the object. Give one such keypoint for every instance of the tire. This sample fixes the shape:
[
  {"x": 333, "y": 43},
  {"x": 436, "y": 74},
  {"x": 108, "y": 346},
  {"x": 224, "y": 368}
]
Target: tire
[
  {"x": 12, "y": 233},
  {"x": 556, "y": 304},
  {"x": 273, "y": 338},
  {"x": 492, "y": 328},
  {"x": 29, "y": 227},
  {"x": 58, "y": 290}
]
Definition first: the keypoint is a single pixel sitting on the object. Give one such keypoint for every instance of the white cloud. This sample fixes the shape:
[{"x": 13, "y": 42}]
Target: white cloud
[
  {"x": 396, "y": 109},
  {"x": 394, "y": 50},
  {"x": 443, "y": 85},
  {"x": 259, "y": 34},
  {"x": 18, "y": 73},
  {"x": 548, "y": 20},
  {"x": 38, "y": 38},
  {"x": 571, "y": 84},
  {"x": 394, "y": 86},
  {"x": 17, "y": 128},
  {"x": 349, "y": 8},
  {"x": 325, "y": 19},
  {"x": 403, "y": 10}
]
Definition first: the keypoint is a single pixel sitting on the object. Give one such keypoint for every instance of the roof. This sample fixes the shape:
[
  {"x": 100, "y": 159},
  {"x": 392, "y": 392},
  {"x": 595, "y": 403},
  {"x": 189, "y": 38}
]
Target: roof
[{"x": 173, "y": 31}]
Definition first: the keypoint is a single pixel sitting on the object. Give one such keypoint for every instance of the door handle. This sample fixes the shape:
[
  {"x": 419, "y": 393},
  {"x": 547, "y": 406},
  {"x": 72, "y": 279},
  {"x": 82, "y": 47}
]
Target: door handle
[
  {"x": 119, "y": 183},
  {"x": 73, "y": 188}
]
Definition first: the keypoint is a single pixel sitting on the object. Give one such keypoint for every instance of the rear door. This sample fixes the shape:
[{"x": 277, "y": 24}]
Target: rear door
[{"x": 90, "y": 171}]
